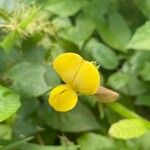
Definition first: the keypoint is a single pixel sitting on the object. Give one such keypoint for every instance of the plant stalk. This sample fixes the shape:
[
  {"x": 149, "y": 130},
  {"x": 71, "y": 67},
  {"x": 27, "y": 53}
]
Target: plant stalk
[{"x": 125, "y": 112}]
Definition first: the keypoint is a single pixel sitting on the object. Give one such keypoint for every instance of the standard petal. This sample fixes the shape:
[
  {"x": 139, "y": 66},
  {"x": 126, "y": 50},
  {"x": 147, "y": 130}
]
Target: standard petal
[{"x": 67, "y": 65}]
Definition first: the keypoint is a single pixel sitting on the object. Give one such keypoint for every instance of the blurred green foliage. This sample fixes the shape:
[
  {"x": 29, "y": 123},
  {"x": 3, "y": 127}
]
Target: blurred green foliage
[{"x": 114, "y": 33}]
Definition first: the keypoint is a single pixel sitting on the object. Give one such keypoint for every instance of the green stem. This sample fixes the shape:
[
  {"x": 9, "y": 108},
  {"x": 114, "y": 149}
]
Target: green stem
[{"x": 125, "y": 112}]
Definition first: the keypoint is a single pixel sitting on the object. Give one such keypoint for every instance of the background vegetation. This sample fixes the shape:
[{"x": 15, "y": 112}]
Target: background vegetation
[{"x": 114, "y": 33}]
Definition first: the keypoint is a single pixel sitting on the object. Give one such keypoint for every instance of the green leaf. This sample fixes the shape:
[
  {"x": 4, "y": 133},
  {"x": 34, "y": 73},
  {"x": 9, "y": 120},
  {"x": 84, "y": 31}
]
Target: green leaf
[
  {"x": 141, "y": 38},
  {"x": 63, "y": 8},
  {"x": 145, "y": 72},
  {"x": 126, "y": 83},
  {"x": 46, "y": 147},
  {"x": 144, "y": 7},
  {"x": 118, "y": 80},
  {"x": 143, "y": 99},
  {"x": 61, "y": 23},
  {"x": 96, "y": 9},
  {"x": 136, "y": 62},
  {"x": 9, "y": 40},
  {"x": 102, "y": 54},
  {"x": 32, "y": 79},
  {"x": 9, "y": 103},
  {"x": 77, "y": 120},
  {"x": 31, "y": 51},
  {"x": 5, "y": 131},
  {"x": 24, "y": 124},
  {"x": 92, "y": 141},
  {"x": 128, "y": 128},
  {"x": 115, "y": 31},
  {"x": 9, "y": 59},
  {"x": 81, "y": 32}
]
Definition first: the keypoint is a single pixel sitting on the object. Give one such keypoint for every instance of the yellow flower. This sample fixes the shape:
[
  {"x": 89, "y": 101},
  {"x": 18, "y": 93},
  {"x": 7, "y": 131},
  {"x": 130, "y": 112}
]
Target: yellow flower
[{"x": 79, "y": 75}]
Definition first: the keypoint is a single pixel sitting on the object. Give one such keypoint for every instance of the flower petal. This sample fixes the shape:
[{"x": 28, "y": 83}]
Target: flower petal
[
  {"x": 67, "y": 65},
  {"x": 87, "y": 80},
  {"x": 63, "y": 98}
]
